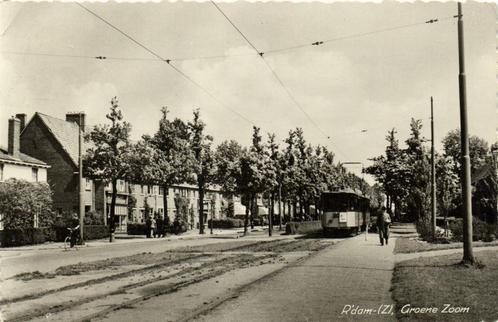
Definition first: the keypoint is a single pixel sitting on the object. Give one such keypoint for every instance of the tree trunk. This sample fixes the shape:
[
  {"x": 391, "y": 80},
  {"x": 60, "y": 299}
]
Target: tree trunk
[
  {"x": 201, "y": 207},
  {"x": 270, "y": 215},
  {"x": 246, "y": 218},
  {"x": 280, "y": 207},
  {"x": 292, "y": 209},
  {"x": 112, "y": 223},
  {"x": 301, "y": 208},
  {"x": 317, "y": 208},
  {"x": 252, "y": 210}
]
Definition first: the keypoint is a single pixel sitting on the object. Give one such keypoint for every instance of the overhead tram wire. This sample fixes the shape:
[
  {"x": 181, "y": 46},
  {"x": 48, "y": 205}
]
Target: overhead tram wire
[
  {"x": 279, "y": 80},
  {"x": 270, "y": 51},
  {"x": 359, "y": 35},
  {"x": 168, "y": 61}
]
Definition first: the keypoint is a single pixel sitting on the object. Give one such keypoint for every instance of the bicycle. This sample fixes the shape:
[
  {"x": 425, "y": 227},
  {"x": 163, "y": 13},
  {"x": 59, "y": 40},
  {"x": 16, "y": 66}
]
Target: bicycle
[{"x": 69, "y": 242}]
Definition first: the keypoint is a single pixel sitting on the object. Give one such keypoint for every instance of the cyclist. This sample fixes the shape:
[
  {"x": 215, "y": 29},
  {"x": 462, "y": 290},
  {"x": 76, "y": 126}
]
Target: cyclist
[{"x": 74, "y": 232}]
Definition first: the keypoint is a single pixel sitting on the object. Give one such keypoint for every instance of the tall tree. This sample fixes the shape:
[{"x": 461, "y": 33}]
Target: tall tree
[
  {"x": 478, "y": 150},
  {"x": 205, "y": 163},
  {"x": 448, "y": 185},
  {"x": 418, "y": 198},
  {"x": 108, "y": 157},
  {"x": 275, "y": 171},
  {"x": 173, "y": 161}
]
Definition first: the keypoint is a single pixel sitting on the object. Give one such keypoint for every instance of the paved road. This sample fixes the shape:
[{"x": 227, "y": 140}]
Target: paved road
[
  {"x": 355, "y": 272},
  {"x": 45, "y": 258}
]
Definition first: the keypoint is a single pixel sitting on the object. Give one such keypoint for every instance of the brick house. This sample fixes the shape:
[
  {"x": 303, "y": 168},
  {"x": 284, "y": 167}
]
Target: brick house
[
  {"x": 55, "y": 142},
  {"x": 13, "y": 163}
]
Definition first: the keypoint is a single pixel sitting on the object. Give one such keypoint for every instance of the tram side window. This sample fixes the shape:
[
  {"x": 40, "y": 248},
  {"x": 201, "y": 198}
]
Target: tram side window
[{"x": 335, "y": 204}]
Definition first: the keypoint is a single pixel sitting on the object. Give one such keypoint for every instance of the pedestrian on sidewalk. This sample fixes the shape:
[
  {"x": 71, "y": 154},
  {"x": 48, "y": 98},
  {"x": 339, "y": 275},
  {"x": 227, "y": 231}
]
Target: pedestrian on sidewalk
[
  {"x": 383, "y": 223},
  {"x": 160, "y": 226},
  {"x": 153, "y": 227},
  {"x": 148, "y": 227}
]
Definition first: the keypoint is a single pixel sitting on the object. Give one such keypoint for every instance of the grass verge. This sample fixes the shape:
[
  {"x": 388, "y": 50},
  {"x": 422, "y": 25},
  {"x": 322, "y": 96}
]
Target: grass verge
[
  {"x": 408, "y": 245},
  {"x": 441, "y": 282}
]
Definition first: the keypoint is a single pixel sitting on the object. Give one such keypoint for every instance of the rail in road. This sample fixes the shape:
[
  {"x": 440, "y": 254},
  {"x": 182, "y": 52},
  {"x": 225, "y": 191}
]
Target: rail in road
[{"x": 93, "y": 290}]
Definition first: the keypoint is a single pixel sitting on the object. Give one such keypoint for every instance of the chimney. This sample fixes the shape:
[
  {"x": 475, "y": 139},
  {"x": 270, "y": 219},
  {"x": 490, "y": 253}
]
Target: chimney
[
  {"x": 22, "y": 117},
  {"x": 14, "y": 137},
  {"x": 77, "y": 117}
]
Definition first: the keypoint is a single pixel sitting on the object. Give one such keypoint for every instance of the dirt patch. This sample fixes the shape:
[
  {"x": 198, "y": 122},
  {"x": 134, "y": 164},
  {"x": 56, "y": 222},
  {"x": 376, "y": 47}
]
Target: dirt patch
[{"x": 32, "y": 276}]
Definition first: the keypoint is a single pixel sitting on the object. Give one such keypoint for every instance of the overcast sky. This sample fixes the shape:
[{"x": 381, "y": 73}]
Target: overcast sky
[{"x": 374, "y": 82}]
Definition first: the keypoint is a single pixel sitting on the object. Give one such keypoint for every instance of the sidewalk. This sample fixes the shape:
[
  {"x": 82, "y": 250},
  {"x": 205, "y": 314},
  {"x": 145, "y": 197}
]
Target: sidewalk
[{"x": 353, "y": 273}]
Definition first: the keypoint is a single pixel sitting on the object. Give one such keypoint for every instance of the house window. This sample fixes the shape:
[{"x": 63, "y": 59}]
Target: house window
[
  {"x": 34, "y": 172},
  {"x": 161, "y": 191},
  {"x": 149, "y": 190},
  {"x": 88, "y": 184},
  {"x": 1, "y": 172}
]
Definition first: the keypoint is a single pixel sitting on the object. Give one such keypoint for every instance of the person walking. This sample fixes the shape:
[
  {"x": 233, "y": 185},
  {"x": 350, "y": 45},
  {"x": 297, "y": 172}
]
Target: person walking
[
  {"x": 383, "y": 223},
  {"x": 148, "y": 227},
  {"x": 160, "y": 226},
  {"x": 153, "y": 227}
]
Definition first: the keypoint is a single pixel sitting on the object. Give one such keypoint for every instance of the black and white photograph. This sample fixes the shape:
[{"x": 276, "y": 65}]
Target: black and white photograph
[{"x": 254, "y": 161}]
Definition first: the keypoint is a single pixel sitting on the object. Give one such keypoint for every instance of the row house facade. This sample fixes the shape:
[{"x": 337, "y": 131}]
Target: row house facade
[
  {"x": 17, "y": 165},
  {"x": 153, "y": 197},
  {"x": 54, "y": 142}
]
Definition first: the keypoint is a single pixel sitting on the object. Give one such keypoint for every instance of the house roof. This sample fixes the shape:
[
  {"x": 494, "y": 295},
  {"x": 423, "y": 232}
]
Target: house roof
[
  {"x": 21, "y": 158},
  {"x": 66, "y": 133}
]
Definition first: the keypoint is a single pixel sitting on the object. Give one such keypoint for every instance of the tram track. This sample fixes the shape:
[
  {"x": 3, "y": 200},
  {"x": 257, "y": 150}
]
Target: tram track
[{"x": 97, "y": 297}]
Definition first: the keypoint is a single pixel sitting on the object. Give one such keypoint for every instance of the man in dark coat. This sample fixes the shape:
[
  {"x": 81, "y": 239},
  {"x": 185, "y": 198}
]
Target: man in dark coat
[
  {"x": 160, "y": 226},
  {"x": 148, "y": 227}
]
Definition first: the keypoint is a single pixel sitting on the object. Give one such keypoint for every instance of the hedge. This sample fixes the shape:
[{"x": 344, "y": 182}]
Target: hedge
[
  {"x": 480, "y": 230},
  {"x": 136, "y": 229},
  {"x": 293, "y": 228},
  {"x": 33, "y": 236},
  {"x": 226, "y": 223},
  {"x": 27, "y": 236}
]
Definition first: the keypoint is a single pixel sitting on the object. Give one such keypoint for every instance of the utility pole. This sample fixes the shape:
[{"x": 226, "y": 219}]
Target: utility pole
[
  {"x": 271, "y": 209},
  {"x": 80, "y": 177},
  {"x": 280, "y": 206},
  {"x": 433, "y": 173},
  {"x": 468, "y": 257}
]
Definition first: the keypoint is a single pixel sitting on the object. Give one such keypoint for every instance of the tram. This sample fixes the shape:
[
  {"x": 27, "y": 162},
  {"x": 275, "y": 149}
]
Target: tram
[{"x": 344, "y": 211}]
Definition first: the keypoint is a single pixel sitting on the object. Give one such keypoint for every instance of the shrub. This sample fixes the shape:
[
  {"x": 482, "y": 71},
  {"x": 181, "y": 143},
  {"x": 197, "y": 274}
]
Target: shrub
[
  {"x": 94, "y": 219},
  {"x": 95, "y": 232},
  {"x": 424, "y": 228},
  {"x": 292, "y": 228},
  {"x": 26, "y": 236},
  {"x": 178, "y": 227},
  {"x": 480, "y": 230},
  {"x": 226, "y": 223},
  {"x": 136, "y": 229},
  {"x": 22, "y": 201}
]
